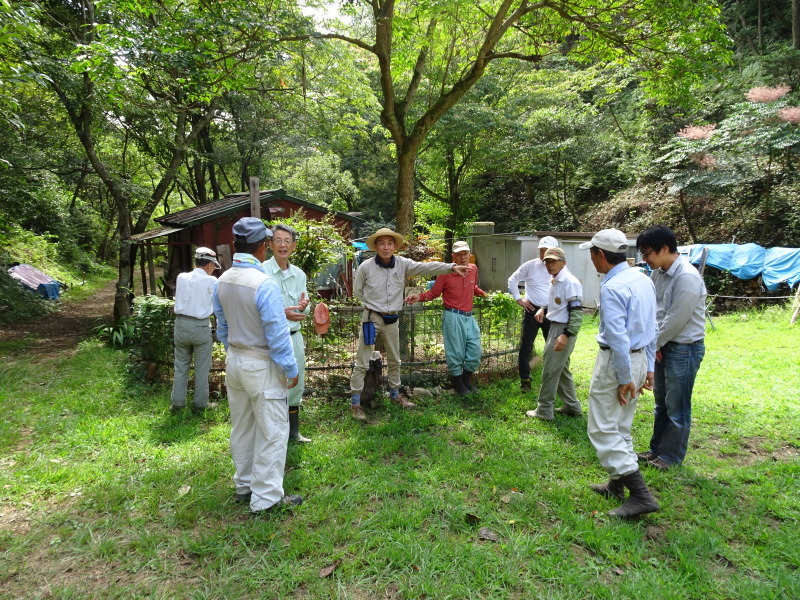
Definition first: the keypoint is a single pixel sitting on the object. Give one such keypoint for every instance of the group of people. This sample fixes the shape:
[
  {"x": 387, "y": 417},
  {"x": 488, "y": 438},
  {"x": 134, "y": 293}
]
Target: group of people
[{"x": 651, "y": 336}]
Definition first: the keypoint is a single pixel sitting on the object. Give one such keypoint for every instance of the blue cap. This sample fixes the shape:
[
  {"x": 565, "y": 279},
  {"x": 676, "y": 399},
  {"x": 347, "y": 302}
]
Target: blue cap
[{"x": 250, "y": 229}]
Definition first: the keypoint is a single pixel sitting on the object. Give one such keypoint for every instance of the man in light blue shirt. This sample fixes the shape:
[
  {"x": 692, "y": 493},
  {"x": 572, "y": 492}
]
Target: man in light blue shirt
[
  {"x": 292, "y": 282},
  {"x": 260, "y": 367},
  {"x": 624, "y": 366},
  {"x": 681, "y": 296}
]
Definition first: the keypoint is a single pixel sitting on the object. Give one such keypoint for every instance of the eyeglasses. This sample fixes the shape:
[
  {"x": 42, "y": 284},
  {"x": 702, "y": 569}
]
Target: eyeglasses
[
  {"x": 282, "y": 242},
  {"x": 646, "y": 254}
]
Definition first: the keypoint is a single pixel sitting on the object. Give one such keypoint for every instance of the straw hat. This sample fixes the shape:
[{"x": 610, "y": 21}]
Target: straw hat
[{"x": 399, "y": 240}]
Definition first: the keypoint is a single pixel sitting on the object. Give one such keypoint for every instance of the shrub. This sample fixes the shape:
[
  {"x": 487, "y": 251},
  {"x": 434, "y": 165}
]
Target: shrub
[
  {"x": 153, "y": 320},
  {"x": 18, "y": 304}
]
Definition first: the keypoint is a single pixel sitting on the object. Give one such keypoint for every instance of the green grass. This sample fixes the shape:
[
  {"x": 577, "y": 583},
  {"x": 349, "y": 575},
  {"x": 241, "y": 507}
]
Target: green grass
[{"x": 105, "y": 494}]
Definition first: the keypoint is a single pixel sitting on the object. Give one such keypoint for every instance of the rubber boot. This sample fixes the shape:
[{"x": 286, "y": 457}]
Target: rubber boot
[
  {"x": 613, "y": 488},
  {"x": 525, "y": 385},
  {"x": 294, "y": 425},
  {"x": 458, "y": 385},
  {"x": 466, "y": 377},
  {"x": 639, "y": 502}
]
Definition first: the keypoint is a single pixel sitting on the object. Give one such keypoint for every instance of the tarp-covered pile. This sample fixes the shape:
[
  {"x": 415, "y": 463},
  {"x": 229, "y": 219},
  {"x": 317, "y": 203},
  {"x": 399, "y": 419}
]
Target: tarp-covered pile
[
  {"x": 35, "y": 280},
  {"x": 745, "y": 261}
]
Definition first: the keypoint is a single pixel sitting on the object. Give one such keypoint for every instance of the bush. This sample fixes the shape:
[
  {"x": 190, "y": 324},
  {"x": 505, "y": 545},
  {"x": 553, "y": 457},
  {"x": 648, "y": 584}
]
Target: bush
[
  {"x": 153, "y": 320},
  {"x": 18, "y": 304}
]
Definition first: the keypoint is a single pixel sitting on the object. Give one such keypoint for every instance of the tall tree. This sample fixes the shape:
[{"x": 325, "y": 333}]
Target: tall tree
[
  {"x": 429, "y": 54},
  {"x": 150, "y": 74}
]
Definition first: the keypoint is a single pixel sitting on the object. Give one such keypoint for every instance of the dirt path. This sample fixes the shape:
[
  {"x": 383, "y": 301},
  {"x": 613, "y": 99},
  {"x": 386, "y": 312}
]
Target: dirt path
[{"x": 72, "y": 322}]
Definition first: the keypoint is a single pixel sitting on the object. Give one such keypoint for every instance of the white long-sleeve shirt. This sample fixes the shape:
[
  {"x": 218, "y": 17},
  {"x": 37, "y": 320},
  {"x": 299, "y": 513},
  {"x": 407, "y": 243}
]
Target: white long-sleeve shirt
[{"x": 537, "y": 282}]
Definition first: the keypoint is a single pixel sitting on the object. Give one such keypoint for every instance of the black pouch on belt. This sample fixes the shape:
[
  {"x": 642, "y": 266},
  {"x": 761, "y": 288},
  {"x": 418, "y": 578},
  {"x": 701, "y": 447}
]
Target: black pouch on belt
[{"x": 389, "y": 319}]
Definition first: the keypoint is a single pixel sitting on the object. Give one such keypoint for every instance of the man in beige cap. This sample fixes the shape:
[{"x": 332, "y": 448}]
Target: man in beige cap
[
  {"x": 537, "y": 284},
  {"x": 194, "y": 297},
  {"x": 379, "y": 284},
  {"x": 563, "y": 310},
  {"x": 462, "y": 338}
]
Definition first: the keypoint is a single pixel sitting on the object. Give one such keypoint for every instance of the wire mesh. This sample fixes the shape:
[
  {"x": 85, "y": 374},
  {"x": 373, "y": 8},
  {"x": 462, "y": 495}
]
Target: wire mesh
[{"x": 330, "y": 357}]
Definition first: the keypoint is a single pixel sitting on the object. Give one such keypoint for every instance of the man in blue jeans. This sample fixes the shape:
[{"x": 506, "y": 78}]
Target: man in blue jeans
[{"x": 681, "y": 302}]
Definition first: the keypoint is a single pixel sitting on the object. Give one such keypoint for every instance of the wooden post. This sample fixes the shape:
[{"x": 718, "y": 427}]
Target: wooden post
[
  {"x": 255, "y": 198},
  {"x": 142, "y": 270},
  {"x": 796, "y": 303},
  {"x": 151, "y": 268}
]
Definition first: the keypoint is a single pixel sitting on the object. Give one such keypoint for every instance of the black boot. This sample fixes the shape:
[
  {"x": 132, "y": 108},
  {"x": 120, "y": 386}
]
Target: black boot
[
  {"x": 640, "y": 501},
  {"x": 467, "y": 378},
  {"x": 294, "y": 425},
  {"x": 458, "y": 385},
  {"x": 614, "y": 488}
]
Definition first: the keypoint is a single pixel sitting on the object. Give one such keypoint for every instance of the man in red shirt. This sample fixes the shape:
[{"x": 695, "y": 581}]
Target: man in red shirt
[{"x": 462, "y": 338}]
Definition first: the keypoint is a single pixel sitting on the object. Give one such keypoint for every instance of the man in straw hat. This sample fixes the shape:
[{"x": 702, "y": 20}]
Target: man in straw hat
[
  {"x": 533, "y": 274},
  {"x": 624, "y": 365},
  {"x": 194, "y": 297},
  {"x": 379, "y": 284},
  {"x": 259, "y": 369},
  {"x": 563, "y": 310},
  {"x": 462, "y": 338}
]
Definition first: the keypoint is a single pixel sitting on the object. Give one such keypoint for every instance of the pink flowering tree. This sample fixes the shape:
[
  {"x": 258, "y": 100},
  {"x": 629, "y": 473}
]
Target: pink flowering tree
[{"x": 757, "y": 142}]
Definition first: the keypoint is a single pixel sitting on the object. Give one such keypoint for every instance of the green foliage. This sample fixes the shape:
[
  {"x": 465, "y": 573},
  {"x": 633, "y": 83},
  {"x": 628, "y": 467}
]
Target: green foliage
[
  {"x": 18, "y": 304},
  {"x": 118, "y": 336},
  {"x": 319, "y": 243},
  {"x": 153, "y": 322}
]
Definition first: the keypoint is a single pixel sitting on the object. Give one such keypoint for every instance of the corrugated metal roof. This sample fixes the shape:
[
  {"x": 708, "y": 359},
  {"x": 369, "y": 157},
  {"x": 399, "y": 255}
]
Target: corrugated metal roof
[
  {"x": 155, "y": 233},
  {"x": 29, "y": 275},
  {"x": 233, "y": 203}
]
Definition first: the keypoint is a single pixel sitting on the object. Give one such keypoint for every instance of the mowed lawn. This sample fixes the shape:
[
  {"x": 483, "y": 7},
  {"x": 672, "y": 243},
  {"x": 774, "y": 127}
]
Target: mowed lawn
[{"x": 105, "y": 494}]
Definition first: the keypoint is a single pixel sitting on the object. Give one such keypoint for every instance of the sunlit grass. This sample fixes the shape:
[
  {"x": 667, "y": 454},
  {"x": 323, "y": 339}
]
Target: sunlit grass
[{"x": 106, "y": 494}]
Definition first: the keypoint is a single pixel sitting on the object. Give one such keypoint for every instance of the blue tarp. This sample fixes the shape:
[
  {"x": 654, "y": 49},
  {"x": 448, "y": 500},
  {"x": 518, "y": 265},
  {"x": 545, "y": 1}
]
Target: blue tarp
[
  {"x": 35, "y": 280},
  {"x": 746, "y": 261},
  {"x": 781, "y": 264}
]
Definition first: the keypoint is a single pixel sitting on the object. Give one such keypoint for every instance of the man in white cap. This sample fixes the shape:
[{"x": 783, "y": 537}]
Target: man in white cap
[
  {"x": 259, "y": 369},
  {"x": 564, "y": 311},
  {"x": 194, "y": 297},
  {"x": 462, "y": 338},
  {"x": 534, "y": 275},
  {"x": 624, "y": 365},
  {"x": 379, "y": 284}
]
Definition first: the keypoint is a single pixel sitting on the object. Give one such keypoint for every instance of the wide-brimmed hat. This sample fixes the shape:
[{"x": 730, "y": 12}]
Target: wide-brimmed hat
[
  {"x": 610, "y": 240},
  {"x": 203, "y": 253},
  {"x": 399, "y": 240}
]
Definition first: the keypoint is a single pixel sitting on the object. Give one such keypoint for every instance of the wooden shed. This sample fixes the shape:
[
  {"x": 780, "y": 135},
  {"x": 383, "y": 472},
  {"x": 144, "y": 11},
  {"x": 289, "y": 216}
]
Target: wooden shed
[{"x": 210, "y": 225}]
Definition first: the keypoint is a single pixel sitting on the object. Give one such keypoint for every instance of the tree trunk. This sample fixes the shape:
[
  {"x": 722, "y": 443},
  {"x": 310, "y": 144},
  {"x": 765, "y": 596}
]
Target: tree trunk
[
  {"x": 796, "y": 24},
  {"x": 685, "y": 211},
  {"x": 404, "y": 206}
]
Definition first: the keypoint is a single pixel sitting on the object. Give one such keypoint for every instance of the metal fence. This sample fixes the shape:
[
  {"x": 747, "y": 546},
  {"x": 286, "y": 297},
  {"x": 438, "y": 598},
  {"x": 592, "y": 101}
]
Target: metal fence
[{"x": 330, "y": 357}]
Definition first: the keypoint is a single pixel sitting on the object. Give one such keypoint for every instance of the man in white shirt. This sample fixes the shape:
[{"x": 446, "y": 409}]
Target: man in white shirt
[
  {"x": 194, "y": 303},
  {"x": 563, "y": 310},
  {"x": 537, "y": 286}
]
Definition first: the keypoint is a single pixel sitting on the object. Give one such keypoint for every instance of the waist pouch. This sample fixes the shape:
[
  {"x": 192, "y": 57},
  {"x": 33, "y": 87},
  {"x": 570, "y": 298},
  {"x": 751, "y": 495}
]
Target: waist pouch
[
  {"x": 368, "y": 331},
  {"x": 389, "y": 319}
]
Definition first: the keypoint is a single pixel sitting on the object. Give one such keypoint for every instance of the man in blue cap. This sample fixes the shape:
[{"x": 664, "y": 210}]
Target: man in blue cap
[{"x": 260, "y": 368}]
